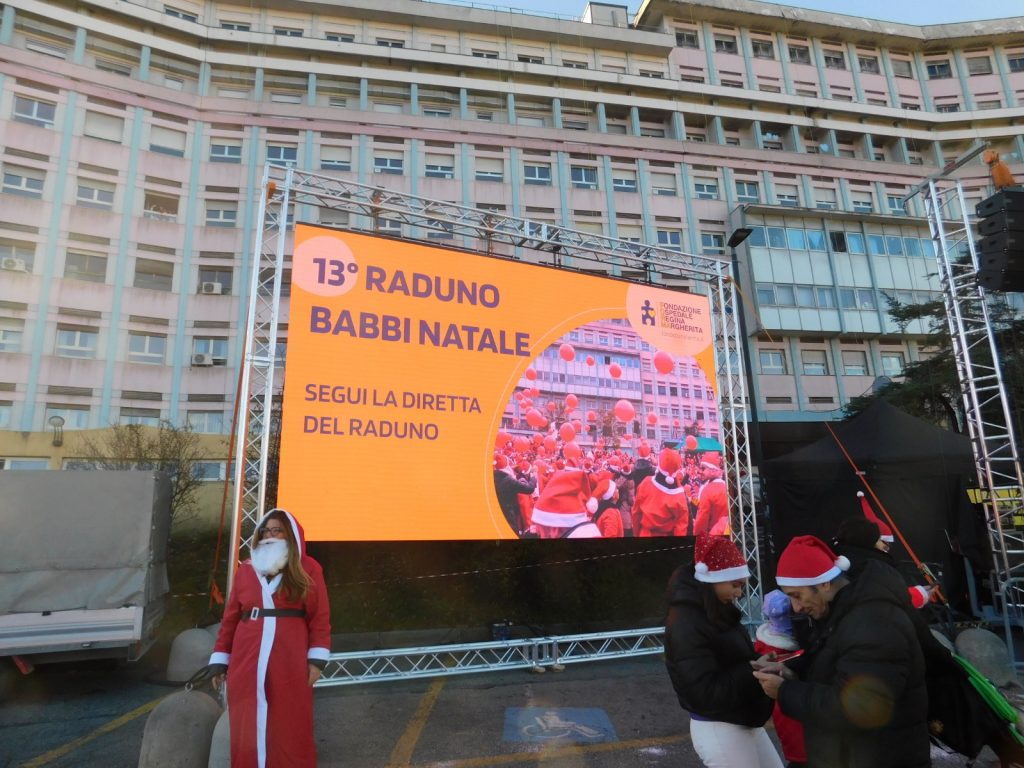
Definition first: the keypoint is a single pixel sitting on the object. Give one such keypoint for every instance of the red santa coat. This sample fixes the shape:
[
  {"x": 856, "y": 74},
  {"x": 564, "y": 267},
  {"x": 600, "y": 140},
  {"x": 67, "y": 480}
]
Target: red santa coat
[
  {"x": 790, "y": 731},
  {"x": 269, "y": 698},
  {"x": 712, "y": 508},
  {"x": 660, "y": 509}
]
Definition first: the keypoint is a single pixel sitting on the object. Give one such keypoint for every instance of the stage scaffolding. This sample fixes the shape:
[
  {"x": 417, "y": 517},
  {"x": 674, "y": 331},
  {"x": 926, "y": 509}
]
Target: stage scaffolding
[{"x": 290, "y": 195}]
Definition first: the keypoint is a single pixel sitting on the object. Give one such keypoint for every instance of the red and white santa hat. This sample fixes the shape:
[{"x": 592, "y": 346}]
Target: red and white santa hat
[
  {"x": 883, "y": 529},
  {"x": 603, "y": 491},
  {"x": 711, "y": 460},
  {"x": 717, "y": 559},
  {"x": 500, "y": 461},
  {"x": 669, "y": 462},
  {"x": 563, "y": 502},
  {"x": 806, "y": 561}
]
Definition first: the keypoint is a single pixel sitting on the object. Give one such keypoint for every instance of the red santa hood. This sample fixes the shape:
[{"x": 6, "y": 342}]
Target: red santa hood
[{"x": 297, "y": 531}]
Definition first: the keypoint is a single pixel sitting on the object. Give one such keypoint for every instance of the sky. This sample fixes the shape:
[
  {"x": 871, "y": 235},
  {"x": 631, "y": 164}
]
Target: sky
[{"x": 906, "y": 11}]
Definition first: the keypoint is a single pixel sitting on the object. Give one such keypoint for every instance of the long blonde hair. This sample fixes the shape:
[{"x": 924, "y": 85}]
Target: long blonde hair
[{"x": 295, "y": 582}]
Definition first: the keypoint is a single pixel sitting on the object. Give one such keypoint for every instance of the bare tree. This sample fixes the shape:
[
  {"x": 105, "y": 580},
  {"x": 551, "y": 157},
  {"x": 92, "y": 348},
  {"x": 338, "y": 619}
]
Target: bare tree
[{"x": 167, "y": 448}]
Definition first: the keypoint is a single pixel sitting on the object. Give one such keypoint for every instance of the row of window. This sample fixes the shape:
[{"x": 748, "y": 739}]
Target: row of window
[
  {"x": 825, "y": 297},
  {"x": 204, "y": 471},
  {"x": 840, "y": 241},
  {"x": 818, "y": 362}
]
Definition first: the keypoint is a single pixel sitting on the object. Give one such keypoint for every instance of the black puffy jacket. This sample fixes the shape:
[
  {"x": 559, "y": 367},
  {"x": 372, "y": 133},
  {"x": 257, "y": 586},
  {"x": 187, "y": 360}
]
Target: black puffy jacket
[
  {"x": 709, "y": 665},
  {"x": 862, "y": 696}
]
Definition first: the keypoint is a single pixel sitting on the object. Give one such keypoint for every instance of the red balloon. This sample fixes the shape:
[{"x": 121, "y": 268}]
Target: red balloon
[
  {"x": 526, "y": 402},
  {"x": 623, "y": 411},
  {"x": 691, "y": 443},
  {"x": 675, "y": 422},
  {"x": 663, "y": 362},
  {"x": 502, "y": 440},
  {"x": 538, "y": 440},
  {"x": 652, "y": 419},
  {"x": 535, "y": 418},
  {"x": 567, "y": 432},
  {"x": 567, "y": 353},
  {"x": 571, "y": 401},
  {"x": 571, "y": 451},
  {"x": 614, "y": 370},
  {"x": 521, "y": 443},
  {"x": 531, "y": 374},
  {"x": 577, "y": 425},
  {"x": 520, "y": 395},
  {"x": 591, "y": 416},
  {"x": 590, "y": 359},
  {"x": 552, "y": 406},
  {"x": 644, "y": 450},
  {"x": 550, "y": 444},
  {"x": 600, "y": 442},
  {"x": 534, "y": 392}
]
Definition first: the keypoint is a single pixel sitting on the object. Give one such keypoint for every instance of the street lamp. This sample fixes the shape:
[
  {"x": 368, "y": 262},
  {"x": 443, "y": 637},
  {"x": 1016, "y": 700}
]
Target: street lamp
[
  {"x": 735, "y": 239},
  {"x": 57, "y": 423}
]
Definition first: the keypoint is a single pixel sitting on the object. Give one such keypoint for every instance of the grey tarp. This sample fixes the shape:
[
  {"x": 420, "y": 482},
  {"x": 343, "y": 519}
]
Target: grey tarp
[{"x": 82, "y": 539}]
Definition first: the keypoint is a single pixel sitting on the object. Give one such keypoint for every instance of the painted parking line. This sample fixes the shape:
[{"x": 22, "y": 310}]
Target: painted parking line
[
  {"x": 71, "y": 746},
  {"x": 401, "y": 755},
  {"x": 558, "y": 753}
]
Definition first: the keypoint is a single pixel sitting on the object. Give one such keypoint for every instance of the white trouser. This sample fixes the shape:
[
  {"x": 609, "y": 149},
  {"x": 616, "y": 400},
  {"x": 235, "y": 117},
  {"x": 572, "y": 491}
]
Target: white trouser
[{"x": 724, "y": 745}]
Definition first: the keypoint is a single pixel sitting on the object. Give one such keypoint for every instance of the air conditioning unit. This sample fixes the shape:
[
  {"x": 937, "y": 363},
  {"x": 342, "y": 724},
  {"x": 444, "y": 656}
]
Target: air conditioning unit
[
  {"x": 212, "y": 288},
  {"x": 202, "y": 358},
  {"x": 13, "y": 264}
]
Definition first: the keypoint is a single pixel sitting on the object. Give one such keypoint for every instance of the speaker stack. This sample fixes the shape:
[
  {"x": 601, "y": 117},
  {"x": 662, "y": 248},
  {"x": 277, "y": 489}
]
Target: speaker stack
[{"x": 1000, "y": 248}]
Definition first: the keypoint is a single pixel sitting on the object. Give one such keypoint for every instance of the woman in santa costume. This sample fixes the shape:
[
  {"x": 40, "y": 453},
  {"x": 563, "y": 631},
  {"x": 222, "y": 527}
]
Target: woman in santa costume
[
  {"x": 273, "y": 642},
  {"x": 659, "y": 505},
  {"x": 708, "y": 654}
]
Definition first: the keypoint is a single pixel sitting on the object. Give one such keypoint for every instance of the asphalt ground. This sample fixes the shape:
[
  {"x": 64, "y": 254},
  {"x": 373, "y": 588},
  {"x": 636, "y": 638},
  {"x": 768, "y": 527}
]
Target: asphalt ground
[{"x": 606, "y": 714}]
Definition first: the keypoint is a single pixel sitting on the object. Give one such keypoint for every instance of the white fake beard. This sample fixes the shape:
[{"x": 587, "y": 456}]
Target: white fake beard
[{"x": 270, "y": 556}]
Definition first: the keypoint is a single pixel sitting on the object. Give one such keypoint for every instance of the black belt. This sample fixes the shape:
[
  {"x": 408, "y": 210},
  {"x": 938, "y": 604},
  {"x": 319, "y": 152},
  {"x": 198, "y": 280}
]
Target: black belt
[{"x": 266, "y": 613}]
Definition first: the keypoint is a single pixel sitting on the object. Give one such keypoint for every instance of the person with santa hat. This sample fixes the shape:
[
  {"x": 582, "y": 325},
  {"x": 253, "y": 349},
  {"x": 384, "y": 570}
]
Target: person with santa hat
[
  {"x": 509, "y": 484},
  {"x": 659, "y": 504},
  {"x": 859, "y": 689},
  {"x": 708, "y": 654},
  {"x": 565, "y": 507},
  {"x": 605, "y": 500},
  {"x": 712, "y": 498},
  {"x": 273, "y": 642}
]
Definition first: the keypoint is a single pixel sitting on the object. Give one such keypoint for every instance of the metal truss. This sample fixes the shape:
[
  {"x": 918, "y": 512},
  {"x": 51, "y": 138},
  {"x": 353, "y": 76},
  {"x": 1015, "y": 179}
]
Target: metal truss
[
  {"x": 535, "y": 654},
  {"x": 986, "y": 405},
  {"x": 286, "y": 191}
]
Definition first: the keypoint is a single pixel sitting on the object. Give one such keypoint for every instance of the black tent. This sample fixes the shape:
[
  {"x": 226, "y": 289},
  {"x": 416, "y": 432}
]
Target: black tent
[{"x": 920, "y": 473}]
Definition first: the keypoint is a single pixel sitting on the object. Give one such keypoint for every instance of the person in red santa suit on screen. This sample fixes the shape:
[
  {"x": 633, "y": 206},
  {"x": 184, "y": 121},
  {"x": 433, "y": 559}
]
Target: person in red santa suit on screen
[
  {"x": 659, "y": 505},
  {"x": 274, "y": 640},
  {"x": 712, "y": 498},
  {"x": 605, "y": 505},
  {"x": 565, "y": 507}
]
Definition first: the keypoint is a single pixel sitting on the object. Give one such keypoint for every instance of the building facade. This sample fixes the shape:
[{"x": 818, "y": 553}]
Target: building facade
[{"x": 134, "y": 135}]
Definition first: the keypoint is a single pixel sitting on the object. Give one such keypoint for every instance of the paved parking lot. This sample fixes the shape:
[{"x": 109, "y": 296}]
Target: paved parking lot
[{"x": 609, "y": 714}]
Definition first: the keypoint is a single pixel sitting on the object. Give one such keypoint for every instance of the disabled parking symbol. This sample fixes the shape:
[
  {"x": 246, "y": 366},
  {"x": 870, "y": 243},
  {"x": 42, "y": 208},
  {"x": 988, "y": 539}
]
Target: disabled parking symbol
[{"x": 546, "y": 724}]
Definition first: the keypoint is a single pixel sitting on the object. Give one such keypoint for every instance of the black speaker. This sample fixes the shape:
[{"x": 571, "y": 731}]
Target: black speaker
[{"x": 1001, "y": 246}]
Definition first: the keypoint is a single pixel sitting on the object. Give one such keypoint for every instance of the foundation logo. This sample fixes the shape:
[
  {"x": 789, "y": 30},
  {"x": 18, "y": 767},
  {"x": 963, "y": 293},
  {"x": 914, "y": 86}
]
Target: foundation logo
[
  {"x": 679, "y": 323},
  {"x": 647, "y": 316}
]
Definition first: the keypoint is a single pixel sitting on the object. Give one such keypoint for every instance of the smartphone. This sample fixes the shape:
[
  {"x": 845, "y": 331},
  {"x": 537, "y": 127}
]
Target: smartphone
[{"x": 788, "y": 656}]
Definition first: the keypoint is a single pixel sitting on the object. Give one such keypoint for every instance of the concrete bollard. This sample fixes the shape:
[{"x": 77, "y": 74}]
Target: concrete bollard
[
  {"x": 213, "y": 629},
  {"x": 220, "y": 745},
  {"x": 988, "y": 653},
  {"x": 190, "y": 652},
  {"x": 179, "y": 730}
]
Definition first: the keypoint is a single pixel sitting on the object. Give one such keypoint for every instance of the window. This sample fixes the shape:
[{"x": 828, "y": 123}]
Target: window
[
  {"x": 537, "y": 174},
  {"x": 91, "y": 267},
  {"x": 902, "y": 68},
  {"x": 705, "y": 189},
  {"x": 11, "y": 332},
  {"x": 979, "y": 65},
  {"x": 282, "y": 154},
  {"x": 226, "y": 153},
  {"x": 390, "y": 42},
  {"x": 75, "y": 416},
  {"x": 393, "y": 164},
  {"x": 340, "y": 37},
  {"x": 663, "y": 184},
  {"x": 670, "y": 238},
  {"x": 895, "y": 204},
  {"x": 490, "y": 169},
  {"x": 623, "y": 183},
  {"x": 287, "y": 32},
  {"x": 106, "y": 127},
  {"x": 27, "y": 182},
  {"x": 799, "y": 54},
  {"x": 866, "y": 298},
  {"x": 220, "y": 213},
  {"x": 154, "y": 274},
  {"x": 146, "y": 417},
  {"x": 34, "y": 112},
  {"x": 215, "y": 280},
  {"x": 484, "y": 54},
  {"x": 95, "y": 194},
  {"x": 206, "y": 421},
  {"x": 166, "y": 141},
  {"x": 6, "y": 411},
  {"x": 525, "y": 59},
  {"x": 938, "y": 70},
  {"x": 438, "y": 168},
  {"x": 892, "y": 364},
  {"x": 773, "y": 361},
  {"x": 335, "y": 158},
  {"x": 1015, "y": 63},
  {"x": 763, "y": 49},
  {"x": 209, "y": 471},
  {"x": 147, "y": 348},
  {"x": 824, "y": 199},
  {"x": 747, "y": 192},
  {"x": 657, "y": 74},
  {"x": 947, "y": 107},
  {"x": 712, "y": 243},
  {"x": 215, "y": 348},
  {"x": 574, "y": 64},
  {"x": 814, "y": 362},
  {"x": 687, "y": 38},
  {"x": 862, "y": 202},
  {"x": 868, "y": 64},
  {"x": 76, "y": 341},
  {"x": 436, "y": 112},
  {"x": 180, "y": 14},
  {"x": 17, "y": 256},
  {"x": 833, "y": 59},
  {"x": 583, "y": 177},
  {"x": 855, "y": 362},
  {"x": 725, "y": 44},
  {"x": 237, "y": 26}
]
